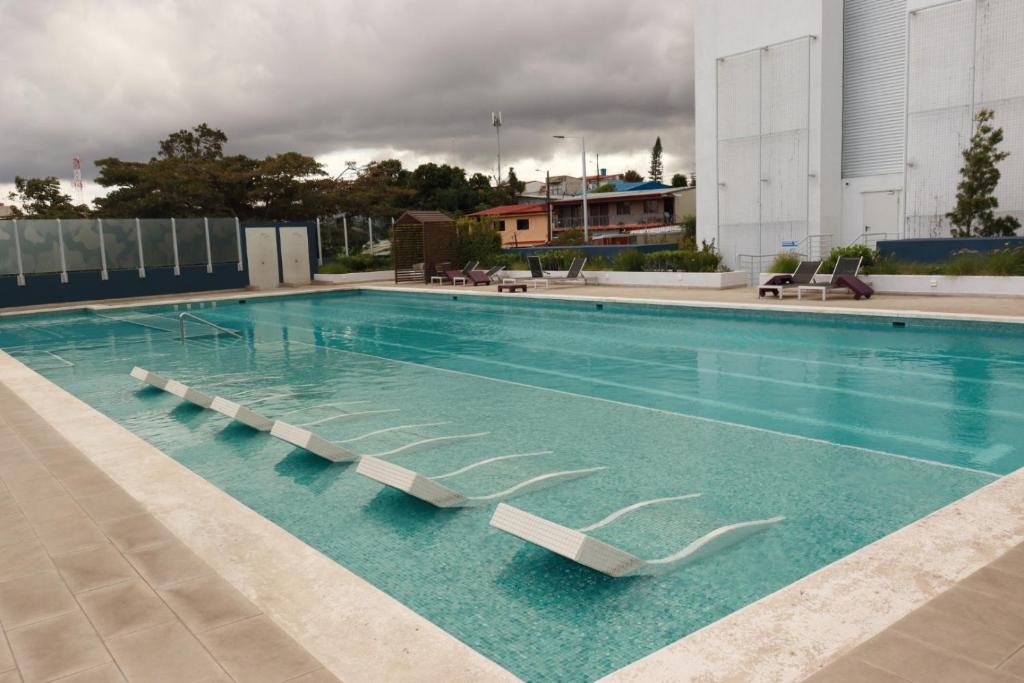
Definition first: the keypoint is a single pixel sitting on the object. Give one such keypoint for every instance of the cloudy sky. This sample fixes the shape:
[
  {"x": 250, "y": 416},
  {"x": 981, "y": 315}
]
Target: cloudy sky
[{"x": 344, "y": 80}]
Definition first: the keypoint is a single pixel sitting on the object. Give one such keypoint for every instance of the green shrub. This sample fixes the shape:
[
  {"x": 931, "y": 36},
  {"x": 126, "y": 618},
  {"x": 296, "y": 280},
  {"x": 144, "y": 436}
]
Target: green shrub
[
  {"x": 559, "y": 259},
  {"x": 357, "y": 263},
  {"x": 1007, "y": 261},
  {"x": 704, "y": 260},
  {"x": 478, "y": 241},
  {"x": 786, "y": 262},
  {"x": 568, "y": 238},
  {"x": 629, "y": 260},
  {"x": 866, "y": 254}
]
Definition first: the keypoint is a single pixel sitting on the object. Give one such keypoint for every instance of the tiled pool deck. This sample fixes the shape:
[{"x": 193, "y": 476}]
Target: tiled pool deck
[{"x": 940, "y": 600}]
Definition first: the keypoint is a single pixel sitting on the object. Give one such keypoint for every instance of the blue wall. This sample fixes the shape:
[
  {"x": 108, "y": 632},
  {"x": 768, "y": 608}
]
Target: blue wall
[
  {"x": 88, "y": 285},
  {"x": 608, "y": 251},
  {"x": 940, "y": 249}
]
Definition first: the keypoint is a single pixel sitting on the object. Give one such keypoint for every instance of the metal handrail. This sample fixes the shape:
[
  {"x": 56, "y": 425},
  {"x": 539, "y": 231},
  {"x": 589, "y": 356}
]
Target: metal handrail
[
  {"x": 193, "y": 316},
  {"x": 863, "y": 237}
]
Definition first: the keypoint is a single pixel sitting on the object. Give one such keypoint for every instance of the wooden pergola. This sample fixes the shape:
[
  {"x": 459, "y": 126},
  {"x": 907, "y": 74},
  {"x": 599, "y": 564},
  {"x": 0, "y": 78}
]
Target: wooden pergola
[{"x": 420, "y": 242}]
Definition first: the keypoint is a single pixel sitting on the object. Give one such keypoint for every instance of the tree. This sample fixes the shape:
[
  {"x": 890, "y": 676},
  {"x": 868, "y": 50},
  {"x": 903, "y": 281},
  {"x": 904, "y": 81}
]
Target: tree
[
  {"x": 657, "y": 170},
  {"x": 202, "y": 142},
  {"x": 514, "y": 184},
  {"x": 680, "y": 180},
  {"x": 42, "y": 198},
  {"x": 975, "y": 197},
  {"x": 632, "y": 176},
  {"x": 607, "y": 187}
]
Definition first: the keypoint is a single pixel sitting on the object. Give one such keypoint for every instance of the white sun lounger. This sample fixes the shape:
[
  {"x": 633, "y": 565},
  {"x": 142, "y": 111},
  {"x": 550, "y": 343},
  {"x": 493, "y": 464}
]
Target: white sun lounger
[
  {"x": 303, "y": 438},
  {"x": 430, "y": 490},
  {"x": 240, "y": 413},
  {"x": 577, "y": 545},
  {"x": 173, "y": 387}
]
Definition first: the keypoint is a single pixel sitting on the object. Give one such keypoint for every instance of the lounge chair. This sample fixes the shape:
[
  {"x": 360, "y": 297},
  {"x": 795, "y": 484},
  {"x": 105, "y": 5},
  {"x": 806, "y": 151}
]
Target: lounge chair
[
  {"x": 803, "y": 275},
  {"x": 456, "y": 277},
  {"x": 579, "y": 546},
  {"x": 470, "y": 266},
  {"x": 430, "y": 490},
  {"x": 844, "y": 276},
  {"x": 537, "y": 274},
  {"x": 480, "y": 277},
  {"x": 575, "y": 274},
  {"x": 440, "y": 273}
]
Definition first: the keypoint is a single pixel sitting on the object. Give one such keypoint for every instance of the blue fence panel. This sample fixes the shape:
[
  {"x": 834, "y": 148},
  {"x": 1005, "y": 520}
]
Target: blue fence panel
[
  {"x": 940, "y": 249},
  {"x": 608, "y": 251}
]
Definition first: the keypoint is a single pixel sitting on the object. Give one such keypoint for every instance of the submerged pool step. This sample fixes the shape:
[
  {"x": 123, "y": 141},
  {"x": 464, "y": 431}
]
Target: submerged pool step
[
  {"x": 591, "y": 552},
  {"x": 303, "y": 438},
  {"x": 239, "y": 413}
]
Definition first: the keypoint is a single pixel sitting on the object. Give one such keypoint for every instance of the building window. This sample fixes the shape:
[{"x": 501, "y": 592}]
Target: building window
[
  {"x": 622, "y": 209},
  {"x": 651, "y": 206},
  {"x": 500, "y": 225},
  {"x": 522, "y": 224}
]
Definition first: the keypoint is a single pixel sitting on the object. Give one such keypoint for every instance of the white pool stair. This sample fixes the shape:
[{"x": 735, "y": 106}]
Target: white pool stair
[
  {"x": 577, "y": 545},
  {"x": 239, "y": 413},
  {"x": 303, "y": 438},
  {"x": 173, "y": 387},
  {"x": 428, "y": 489}
]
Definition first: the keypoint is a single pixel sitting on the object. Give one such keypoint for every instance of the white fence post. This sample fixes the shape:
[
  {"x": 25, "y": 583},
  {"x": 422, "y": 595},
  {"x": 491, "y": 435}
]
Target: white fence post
[
  {"x": 238, "y": 238},
  {"x": 344, "y": 223},
  {"x": 209, "y": 253},
  {"x": 63, "y": 261},
  {"x": 103, "y": 251},
  {"x": 369, "y": 220},
  {"x": 174, "y": 242},
  {"x": 319, "y": 244},
  {"x": 17, "y": 251},
  {"x": 138, "y": 237}
]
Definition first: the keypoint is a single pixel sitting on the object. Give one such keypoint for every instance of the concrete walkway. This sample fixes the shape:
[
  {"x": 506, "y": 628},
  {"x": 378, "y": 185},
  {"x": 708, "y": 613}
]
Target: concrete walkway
[
  {"x": 93, "y": 588},
  {"x": 972, "y": 632}
]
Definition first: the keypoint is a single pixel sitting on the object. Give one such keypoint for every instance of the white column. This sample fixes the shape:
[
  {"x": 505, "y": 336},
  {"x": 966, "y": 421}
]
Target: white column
[
  {"x": 63, "y": 261},
  {"x": 138, "y": 237},
  {"x": 238, "y": 238},
  {"x": 103, "y": 251},
  {"x": 586, "y": 223},
  {"x": 17, "y": 252},
  {"x": 209, "y": 253},
  {"x": 174, "y": 242},
  {"x": 344, "y": 223},
  {"x": 369, "y": 220},
  {"x": 319, "y": 244}
]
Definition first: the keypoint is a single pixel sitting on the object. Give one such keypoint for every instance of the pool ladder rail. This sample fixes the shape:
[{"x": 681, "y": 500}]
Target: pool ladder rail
[{"x": 187, "y": 315}]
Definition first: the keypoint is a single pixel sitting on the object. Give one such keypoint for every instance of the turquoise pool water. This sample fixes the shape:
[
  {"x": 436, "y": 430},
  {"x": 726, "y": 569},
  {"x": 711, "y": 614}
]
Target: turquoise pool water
[{"x": 849, "y": 427}]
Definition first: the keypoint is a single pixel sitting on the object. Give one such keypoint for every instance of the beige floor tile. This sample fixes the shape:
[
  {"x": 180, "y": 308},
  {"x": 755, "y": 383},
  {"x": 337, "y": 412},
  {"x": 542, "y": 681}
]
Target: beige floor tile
[
  {"x": 1014, "y": 665},
  {"x": 32, "y": 598},
  {"x": 168, "y": 563},
  {"x": 16, "y": 532},
  {"x": 950, "y": 633},
  {"x": 921, "y": 663},
  {"x": 89, "y": 484},
  {"x": 136, "y": 532},
  {"x": 325, "y": 676},
  {"x": 163, "y": 654},
  {"x": 34, "y": 489},
  {"x": 257, "y": 650},
  {"x": 991, "y": 612},
  {"x": 1012, "y": 561},
  {"x": 111, "y": 505},
  {"x": 123, "y": 608},
  {"x": 848, "y": 670},
  {"x": 25, "y": 468},
  {"x": 997, "y": 583},
  {"x": 50, "y": 509},
  {"x": 71, "y": 467},
  {"x": 70, "y": 534},
  {"x": 6, "y": 658},
  {"x": 29, "y": 558},
  {"x": 94, "y": 568},
  {"x": 50, "y": 455},
  {"x": 57, "y": 647},
  {"x": 12, "y": 676},
  {"x": 107, "y": 673},
  {"x": 10, "y": 511},
  {"x": 207, "y": 602}
]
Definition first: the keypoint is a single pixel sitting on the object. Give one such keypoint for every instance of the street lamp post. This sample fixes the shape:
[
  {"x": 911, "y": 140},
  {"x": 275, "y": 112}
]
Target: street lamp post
[{"x": 583, "y": 156}]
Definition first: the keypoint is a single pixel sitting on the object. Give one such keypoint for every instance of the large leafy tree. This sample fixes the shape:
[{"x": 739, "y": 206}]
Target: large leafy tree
[
  {"x": 632, "y": 176},
  {"x": 975, "y": 198},
  {"x": 680, "y": 180},
  {"x": 42, "y": 198}
]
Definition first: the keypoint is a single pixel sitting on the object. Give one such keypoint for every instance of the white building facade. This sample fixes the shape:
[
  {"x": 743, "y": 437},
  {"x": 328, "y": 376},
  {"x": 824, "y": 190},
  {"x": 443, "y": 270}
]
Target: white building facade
[{"x": 824, "y": 123}]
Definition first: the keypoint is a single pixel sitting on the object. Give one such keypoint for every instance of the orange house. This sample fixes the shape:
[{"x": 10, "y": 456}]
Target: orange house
[{"x": 520, "y": 225}]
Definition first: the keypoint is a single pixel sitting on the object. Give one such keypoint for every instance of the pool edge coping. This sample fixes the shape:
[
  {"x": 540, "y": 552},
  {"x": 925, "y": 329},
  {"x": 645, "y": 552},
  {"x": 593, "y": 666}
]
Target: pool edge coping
[{"x": 330, "y": 606}]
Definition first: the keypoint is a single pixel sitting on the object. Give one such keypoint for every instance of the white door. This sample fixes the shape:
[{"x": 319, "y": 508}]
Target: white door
[
  {"x": 881, "y": 214},
  {"x": 295, "y": 255},
  {"x": 261, "y": 251}
]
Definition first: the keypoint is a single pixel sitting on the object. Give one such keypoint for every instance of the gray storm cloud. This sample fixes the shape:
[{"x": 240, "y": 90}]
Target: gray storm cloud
[{"x": 321, "y": 76}]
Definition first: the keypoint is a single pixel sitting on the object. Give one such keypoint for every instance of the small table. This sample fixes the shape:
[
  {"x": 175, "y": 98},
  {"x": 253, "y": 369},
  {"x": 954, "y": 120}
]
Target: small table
[
  {"x": 821, "y": 288},
  {"x": 511, "y": 287},
  {"x": 437, "y": 279}
]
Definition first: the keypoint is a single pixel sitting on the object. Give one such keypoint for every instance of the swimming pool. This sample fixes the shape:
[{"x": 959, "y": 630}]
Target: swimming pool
[{"x": 847, "y": 426}]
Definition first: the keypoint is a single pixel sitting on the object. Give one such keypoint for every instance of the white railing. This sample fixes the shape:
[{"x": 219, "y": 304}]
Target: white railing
[{"x": 871, "y": 239}]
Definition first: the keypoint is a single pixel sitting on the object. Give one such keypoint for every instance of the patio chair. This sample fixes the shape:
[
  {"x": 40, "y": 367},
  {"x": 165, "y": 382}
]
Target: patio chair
[
  {"x": 480, "y": 277},
  {"x": 575, "y": 274},
  {"x": 537, "y": 274},
  {"x": 844, "y": 276},
  {"x": 579, "y": 546},
  {"x": 456, "y": 277},
  {"x": 470, "y": 266},
  {"x": 803, "y": 275}
]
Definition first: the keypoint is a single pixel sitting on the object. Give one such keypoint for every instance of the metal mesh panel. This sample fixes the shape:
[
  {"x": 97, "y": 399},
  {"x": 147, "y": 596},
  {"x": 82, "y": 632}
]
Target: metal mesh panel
[
  {"x": 8, "y": 255},
  {"x": 40, "y": 246},
  {"x": 191, "y": 241},
  {"x": 738, "y": 96},
  {"x": 941, "y": 54},
  {"x": 223, "y": 240},
  {"x": 157, "y": 242},
  {"x": 121, "y": 243},
  {"x": 739, "y": 185},
  {"x": 784, "y": 190},
  {"x": 785, "y": 96},
  {"x": 82, "y": 244}
]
